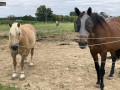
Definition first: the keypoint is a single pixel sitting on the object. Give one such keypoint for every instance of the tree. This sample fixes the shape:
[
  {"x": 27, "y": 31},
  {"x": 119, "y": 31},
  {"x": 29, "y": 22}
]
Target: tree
[
  {"x": 54, "y": 17},
  {"x": 66, "y": 18},
  {"x": 44, "y": 14},
  {"x": 73, "y": 14},
  {"x": 11, "y": 17},
  {"x": 28, "y": 18}
]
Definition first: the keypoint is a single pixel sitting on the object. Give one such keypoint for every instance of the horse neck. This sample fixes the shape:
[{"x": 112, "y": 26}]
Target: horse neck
[
  {"x": 23, "y": 38},
  {"x": 100, "y": 32}
]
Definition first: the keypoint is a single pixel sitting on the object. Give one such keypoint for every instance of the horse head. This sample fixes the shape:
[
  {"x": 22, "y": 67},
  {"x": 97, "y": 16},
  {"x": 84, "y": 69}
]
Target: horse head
[
  {"x": 84, "y": 25},
  {"x": 15, "y": 35}
]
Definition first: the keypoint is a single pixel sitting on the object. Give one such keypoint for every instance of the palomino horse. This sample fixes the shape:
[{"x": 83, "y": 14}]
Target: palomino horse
[
  {"x": 22, "y": 39},
  {"x": 99, "y": 35}
]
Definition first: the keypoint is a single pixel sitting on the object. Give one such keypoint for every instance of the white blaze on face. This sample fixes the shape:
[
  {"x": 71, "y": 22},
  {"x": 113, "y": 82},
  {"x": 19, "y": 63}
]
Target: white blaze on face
[
  {"x": 83, "y": 31},
  {"x": 14, "y": 34}
]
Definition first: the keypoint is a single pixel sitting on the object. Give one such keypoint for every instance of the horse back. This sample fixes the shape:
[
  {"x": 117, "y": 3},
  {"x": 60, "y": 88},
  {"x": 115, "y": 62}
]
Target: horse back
[{"x": 114, "y": 23}]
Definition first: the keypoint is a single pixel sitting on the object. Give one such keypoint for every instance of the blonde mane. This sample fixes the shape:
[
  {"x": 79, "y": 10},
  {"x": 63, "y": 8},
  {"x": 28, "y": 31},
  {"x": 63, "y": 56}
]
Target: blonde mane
[{"x": 14, "y": 29}]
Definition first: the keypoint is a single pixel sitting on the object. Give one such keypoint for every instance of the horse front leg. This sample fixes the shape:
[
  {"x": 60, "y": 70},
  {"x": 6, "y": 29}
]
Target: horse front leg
[
  {"x": 22, "y": 76},
  {"x": 14, "y": 75},
  {"x": 113, "y": 64},
  {"x": 97, "y": 67},
  {"x": 102, "y": 69}
]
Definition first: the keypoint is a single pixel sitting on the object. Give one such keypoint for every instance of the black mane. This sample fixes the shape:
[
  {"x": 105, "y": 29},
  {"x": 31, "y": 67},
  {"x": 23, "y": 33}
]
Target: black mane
[{"x": 97, "y": 20}]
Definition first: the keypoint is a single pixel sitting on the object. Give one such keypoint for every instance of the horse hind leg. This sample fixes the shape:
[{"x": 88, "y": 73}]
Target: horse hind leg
[
  {"x": 25, "y": 61},
  {"x": 31, "y": 62},
  {"x": 113, "y": 64}
]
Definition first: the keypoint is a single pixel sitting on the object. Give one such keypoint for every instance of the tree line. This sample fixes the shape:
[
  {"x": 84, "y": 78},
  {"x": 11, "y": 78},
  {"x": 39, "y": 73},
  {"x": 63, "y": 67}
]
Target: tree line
[{"x": 44, "y": 14}]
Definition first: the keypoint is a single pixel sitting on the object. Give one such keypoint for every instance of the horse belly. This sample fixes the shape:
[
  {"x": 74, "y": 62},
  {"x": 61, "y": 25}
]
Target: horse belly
[{"x": 113, "y": 46}]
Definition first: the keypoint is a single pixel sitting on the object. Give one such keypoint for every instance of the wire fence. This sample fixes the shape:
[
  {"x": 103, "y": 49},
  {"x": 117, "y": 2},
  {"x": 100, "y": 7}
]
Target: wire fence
[{"x": 82, "y": 59}]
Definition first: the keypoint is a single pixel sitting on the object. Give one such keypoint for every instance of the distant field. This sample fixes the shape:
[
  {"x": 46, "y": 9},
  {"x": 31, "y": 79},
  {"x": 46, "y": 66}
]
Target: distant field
[
  {"x": 51, "y": 28},
  {"x": 4, "y": 27},
  {"x": 46, "y": 28}
]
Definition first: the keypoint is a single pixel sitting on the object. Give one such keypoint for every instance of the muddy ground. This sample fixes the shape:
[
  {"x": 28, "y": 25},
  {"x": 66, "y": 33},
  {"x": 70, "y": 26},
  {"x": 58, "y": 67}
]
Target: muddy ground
[{"x": 58, "y": 66}]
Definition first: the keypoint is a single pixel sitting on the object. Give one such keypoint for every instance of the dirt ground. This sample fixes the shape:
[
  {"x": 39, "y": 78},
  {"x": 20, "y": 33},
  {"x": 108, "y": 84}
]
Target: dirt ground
[{"x": 57, "y": 67}]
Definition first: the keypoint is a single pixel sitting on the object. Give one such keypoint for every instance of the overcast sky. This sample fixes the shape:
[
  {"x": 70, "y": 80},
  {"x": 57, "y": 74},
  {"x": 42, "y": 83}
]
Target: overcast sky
[{"x": 62, "y": 7}]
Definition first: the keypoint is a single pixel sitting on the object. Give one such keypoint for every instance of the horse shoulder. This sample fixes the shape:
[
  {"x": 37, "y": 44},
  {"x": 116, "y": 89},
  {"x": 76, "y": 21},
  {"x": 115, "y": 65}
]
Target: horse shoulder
[{"x": 29, "y": 34}]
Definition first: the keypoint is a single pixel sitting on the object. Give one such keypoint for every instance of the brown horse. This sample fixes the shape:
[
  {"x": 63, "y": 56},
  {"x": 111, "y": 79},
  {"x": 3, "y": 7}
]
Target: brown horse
[
  {"x": 98, "y": 33},
  {"x": 22, "y": 39}
]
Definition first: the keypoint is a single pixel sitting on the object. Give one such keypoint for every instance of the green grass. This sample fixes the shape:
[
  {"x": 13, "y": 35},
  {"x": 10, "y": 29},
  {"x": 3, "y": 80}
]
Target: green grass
[
  {"x": 7, "y": 88},
  {"x": 47, "y": 28},
  {"x": 4, "y": 27},
  {"x": 50, "y": 28},
  {"x": 44, "y": 29}
]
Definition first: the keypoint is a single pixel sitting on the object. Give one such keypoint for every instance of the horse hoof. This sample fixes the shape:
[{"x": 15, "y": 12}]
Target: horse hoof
[
  {"x": 22, "y": 77},
  {"x": 31, "y": 64},
  {"x": 25, "y": 62},
  {"x": 102, "y": 86},
  {"x": 14, "y": 76},
  {"x": 110, "y": 77},
  {"x": 97, "y": 85}
]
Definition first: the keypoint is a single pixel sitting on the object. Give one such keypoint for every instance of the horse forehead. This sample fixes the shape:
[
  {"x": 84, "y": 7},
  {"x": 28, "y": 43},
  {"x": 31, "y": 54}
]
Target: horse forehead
[
  {"x": 14, "y": 30},
  {"x": 84, "y": 17},
  {"x": 83, "y": 31}
]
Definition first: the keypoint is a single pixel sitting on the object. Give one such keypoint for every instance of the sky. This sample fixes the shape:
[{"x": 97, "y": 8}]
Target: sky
[{"x": 60, "y": 7}]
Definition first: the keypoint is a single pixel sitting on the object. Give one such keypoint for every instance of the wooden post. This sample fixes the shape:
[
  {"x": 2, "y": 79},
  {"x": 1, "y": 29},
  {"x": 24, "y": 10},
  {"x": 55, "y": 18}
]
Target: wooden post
[{"x": 2, "y": 3}]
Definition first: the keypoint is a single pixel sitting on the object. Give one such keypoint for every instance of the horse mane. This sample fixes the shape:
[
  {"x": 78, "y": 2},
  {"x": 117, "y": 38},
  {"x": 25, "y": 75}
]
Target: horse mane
[
  {"x": 14, "y": 24},
  {"x": 98, "y": 20}
]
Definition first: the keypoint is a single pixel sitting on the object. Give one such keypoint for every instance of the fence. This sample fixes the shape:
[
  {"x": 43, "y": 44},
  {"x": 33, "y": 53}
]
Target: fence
[{"x": 56, "y": 67}]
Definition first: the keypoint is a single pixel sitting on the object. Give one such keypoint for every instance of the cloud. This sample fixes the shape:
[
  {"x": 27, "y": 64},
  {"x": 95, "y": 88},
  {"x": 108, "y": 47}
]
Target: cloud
[{"x": 62, "y": 7}]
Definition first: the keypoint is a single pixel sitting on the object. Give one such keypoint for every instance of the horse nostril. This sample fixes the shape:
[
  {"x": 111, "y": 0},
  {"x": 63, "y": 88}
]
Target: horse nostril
[
  {"x": 14, "y": 47},
  {"x": 82, "y": 45},
  {"x": 85, "y": 43}
]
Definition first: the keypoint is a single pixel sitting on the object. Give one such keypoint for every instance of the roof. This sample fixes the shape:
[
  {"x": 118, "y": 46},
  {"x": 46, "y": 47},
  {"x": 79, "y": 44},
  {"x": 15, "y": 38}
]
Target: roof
[{"x": 2, "y": 3}]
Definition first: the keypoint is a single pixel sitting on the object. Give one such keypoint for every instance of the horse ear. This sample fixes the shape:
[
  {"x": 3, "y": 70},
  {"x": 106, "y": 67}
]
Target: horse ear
[
  {"x": 89, "y": 11},
  {"x": 77, "y": 11},
  {"x": 18, "y": 24},
  {"x": 10, "y": 24}
]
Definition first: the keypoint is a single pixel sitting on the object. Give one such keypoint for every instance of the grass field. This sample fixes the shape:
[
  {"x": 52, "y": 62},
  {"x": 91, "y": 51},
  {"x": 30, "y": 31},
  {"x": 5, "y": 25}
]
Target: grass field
[
  {"x": 4, "y": 27},
  {"x": 46, "y": 28},
  {"x": 43, "y": 29}
]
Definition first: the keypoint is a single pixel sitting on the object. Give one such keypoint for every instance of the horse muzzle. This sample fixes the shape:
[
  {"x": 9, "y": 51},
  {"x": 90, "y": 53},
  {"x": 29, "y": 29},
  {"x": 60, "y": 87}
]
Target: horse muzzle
[
  {"x": 82, "y": 45},
  {"x": 14, "y": 47},
  {"x": 82, "y": 42}
]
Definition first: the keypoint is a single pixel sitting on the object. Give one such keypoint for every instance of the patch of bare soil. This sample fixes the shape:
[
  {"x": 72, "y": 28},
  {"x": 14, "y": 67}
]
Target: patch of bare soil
[
  {"x": 58, "y": 37},
  {"x": 57, "y": 67}
]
